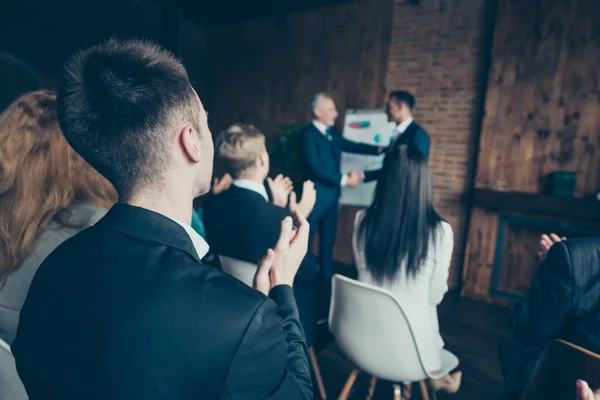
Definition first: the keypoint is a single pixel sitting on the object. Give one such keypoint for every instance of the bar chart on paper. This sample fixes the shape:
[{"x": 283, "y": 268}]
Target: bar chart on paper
[{"x": 369, "y": 127}]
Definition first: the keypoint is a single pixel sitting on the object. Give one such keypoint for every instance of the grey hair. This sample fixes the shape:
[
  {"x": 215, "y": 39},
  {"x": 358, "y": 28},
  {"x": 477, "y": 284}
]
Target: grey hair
[{"x": 317, "y": 98}]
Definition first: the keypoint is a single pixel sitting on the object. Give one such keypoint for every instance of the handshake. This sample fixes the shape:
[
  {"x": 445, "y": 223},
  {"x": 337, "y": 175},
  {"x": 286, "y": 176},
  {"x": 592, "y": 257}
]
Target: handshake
[{"x": 354, "y": 178}]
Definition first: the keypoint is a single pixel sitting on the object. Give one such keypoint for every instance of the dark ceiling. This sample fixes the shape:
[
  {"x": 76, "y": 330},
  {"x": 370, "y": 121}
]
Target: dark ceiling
[{"x": 224, "y": 12}]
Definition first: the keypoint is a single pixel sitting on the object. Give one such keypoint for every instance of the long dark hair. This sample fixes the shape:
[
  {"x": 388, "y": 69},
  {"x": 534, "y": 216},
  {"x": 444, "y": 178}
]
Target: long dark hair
[{"x": 401, "y": 223}]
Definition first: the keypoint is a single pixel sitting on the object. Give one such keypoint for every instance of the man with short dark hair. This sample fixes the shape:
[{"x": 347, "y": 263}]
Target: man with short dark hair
[
  {"x": 399, "y": 108},
  {"x": 126, "y": 309}
]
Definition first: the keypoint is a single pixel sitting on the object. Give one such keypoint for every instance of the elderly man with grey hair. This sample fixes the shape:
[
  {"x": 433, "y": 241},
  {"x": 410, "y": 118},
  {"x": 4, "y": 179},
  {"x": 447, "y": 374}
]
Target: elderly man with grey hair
[{"x": 321, "y": 146}]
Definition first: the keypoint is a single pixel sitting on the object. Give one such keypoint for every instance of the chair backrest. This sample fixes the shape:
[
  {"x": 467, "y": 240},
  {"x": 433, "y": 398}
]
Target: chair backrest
[
  {"x": 371, "y": 329},
  {"x": 242, "y": 270},
  {"x": 10, "y": 383},
  {"x": 558, "y": 370}
]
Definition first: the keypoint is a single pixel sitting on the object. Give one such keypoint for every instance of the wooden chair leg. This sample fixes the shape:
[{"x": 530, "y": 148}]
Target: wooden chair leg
[
  {"x": 317, "y": 371},
  {"x": 424, "y": 390},
  {"x": 397, "y": 392},
  {"x": 371, "y": 391},
  {"x": 348, "y": 385}
]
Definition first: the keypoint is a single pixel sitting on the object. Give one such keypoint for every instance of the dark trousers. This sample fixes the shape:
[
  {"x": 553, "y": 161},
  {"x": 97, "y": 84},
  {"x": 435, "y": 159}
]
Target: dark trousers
[{"x": 325, "y": 222}]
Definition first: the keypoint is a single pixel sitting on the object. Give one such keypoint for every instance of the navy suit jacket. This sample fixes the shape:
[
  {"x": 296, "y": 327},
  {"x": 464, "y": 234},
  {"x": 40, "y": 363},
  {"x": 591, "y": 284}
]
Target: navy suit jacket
[
  {"x": 563, "y": 303},
  {"x": 414, "y": 136},
  {"x": 321, "y": 161},
  {"x": 126, "y": 310}
]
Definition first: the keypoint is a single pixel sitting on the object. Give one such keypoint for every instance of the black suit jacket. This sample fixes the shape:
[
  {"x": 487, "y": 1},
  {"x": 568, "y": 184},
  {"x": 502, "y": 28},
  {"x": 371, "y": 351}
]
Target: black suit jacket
[
  {"x": 126, "y": 310},
  {"x": 239, "y": 223},
  {"x": 321, "y": 161},
  {"x": 563, "y": 302},
  {"x": 414, "y": 136}
]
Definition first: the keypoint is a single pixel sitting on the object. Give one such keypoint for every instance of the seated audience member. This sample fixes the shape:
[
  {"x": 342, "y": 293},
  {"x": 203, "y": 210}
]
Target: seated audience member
[
  {"x": 402, "y": 244},
  {"x": 16, "y": 78},
  {"x": 47, "y": 194},
  {"x": 563, "y": 303},
  {"x": 126, "y": 309},
  {"x": 242, "y": 222}
]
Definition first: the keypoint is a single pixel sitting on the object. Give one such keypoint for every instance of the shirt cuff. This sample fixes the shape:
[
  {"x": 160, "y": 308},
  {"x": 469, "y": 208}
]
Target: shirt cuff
[{"x": 344, "y": 180}]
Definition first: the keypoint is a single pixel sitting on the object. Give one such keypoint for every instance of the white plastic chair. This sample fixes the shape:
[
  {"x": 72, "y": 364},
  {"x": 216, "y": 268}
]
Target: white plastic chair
[
  {"x": 11, "y": 386},
  {"x": 242, "y": 270},
  {"x": 372, "y": 330},
  {"x": 245, "y": 271}
]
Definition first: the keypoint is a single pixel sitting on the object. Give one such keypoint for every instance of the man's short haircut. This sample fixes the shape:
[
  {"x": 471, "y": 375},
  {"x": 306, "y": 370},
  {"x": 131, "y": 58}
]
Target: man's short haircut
[
  {"x": 117, "y": 105},
  {"x": 402, "y": 96},
  {"x": 316, "y": 99},
  {"x": 238, "y": 147},
  {"x": 16, "y": 78}
]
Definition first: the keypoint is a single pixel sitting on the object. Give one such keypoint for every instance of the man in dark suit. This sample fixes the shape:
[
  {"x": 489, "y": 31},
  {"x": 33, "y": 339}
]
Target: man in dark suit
[
  {"x": 563, "y": 302},
  {"x": 126, "y": 309},
  {"x": 321, "y": 147},
  {"x": 243, "y": 222},
  {"x": 399, "y": 108}
]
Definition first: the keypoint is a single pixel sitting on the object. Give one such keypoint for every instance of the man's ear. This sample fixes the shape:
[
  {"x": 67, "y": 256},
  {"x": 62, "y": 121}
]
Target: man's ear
[
  {"x": 190, "y": 143},
  {"x": 262, "y": 159}
]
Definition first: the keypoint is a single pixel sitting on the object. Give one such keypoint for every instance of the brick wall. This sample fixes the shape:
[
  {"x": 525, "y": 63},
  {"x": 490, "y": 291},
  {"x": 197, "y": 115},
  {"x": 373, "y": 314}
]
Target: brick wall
[{"x": 439, "y": 51}]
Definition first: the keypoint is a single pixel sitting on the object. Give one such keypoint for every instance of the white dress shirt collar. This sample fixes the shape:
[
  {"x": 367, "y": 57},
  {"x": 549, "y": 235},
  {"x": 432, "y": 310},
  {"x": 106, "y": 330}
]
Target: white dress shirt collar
[
  {"x": 253, "y": 186},
  {"x": 401, "y": 128},
  {"x": 320, "y": 126},
  {"x": 199, "y": 243}
]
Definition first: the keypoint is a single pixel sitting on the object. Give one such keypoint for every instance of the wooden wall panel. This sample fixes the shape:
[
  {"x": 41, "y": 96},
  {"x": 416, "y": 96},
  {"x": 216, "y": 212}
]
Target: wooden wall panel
[
  {"x": 542, "y": 100},
  {"x": 265, "y": 72},
  {"x": 541, "y": 115}
]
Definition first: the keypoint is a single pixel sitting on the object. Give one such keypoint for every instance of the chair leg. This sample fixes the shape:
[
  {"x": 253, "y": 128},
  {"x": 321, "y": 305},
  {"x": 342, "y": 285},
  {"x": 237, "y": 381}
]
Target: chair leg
[
  {"x": 397, "y": 392},
  {"x": 317, "y": 371},
  {"x": 424, "y": 390},
  {"x": 348, "y": 385},
  {"x": 371, "y": 391}
]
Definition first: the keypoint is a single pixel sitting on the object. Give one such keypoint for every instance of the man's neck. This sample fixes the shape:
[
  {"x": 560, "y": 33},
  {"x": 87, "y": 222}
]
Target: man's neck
[{"x": 177, "y": 206}]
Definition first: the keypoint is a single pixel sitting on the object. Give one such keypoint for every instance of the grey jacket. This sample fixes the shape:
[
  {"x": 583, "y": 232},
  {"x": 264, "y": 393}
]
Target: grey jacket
[{"x": 14, "y": 292}]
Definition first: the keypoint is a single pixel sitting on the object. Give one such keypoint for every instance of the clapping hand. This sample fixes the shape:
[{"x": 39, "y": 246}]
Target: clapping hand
[
  {"x": 221, "y": 185},
  {"x": 280, "y": 265},
  {"x": 546, "y": 242},
  {"x": 280, "y": 188},
  {"x": 307, "y": 203},
  {"x": 584, "y": 392}
]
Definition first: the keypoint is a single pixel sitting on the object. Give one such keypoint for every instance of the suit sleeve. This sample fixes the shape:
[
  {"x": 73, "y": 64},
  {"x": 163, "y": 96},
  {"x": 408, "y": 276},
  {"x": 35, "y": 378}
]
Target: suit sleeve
[
  {"x": 422, "y": 142},
  {"x": 359, "y": 148},
  {"x": 310, "y": 157},
  {"x": 272, "y": 359},
  {"x": 536, "y": 321},
  {"x": 372, "y": 175}
]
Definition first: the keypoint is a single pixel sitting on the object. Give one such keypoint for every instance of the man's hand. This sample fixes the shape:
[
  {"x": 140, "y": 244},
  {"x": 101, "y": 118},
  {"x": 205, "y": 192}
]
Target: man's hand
[
  {"x": 546, "y": 242},
  {"x": 309, "y": 198},
  {"x": 280, "y": 188},
  {"x": 289, "y": 250},
  {"x": 221, "y": 185},
  {"x": 354, "y": 179},
  {"x": 262, "y": 281},
  {"x": 584, "y": 392}
]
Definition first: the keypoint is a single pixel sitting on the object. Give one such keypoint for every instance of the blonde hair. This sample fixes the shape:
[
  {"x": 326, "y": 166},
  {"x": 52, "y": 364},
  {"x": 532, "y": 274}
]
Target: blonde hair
[
  {"x": 238, "y": 147},
  {"x": 41, "y": 176}
]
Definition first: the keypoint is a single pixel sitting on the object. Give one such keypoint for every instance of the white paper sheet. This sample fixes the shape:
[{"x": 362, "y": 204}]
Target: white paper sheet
[{"x": 370, "y": 127}]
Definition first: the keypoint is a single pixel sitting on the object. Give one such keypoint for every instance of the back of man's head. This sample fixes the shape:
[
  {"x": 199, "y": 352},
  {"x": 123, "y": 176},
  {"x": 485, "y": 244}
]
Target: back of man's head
[
  {"x": 402, "y": 96},
  {"x": 238, "y": 147},
  {"x": 16, "y": 78},
  {"x": 118, "y": 105}
]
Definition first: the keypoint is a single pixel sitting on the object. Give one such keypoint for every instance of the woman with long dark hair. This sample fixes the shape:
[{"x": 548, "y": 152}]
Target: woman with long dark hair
[
  {"x": 48, "y": 193},
  {"x": 403, "y": 245}
]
